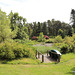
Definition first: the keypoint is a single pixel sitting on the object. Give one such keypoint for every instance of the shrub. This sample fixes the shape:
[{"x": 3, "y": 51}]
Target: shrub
[
  {"x": 71, "y": 48},
  {"x": 58, "y": 39},
  {"x": 68, "y": 40},
  {"x": 46, "y": 37},
  {"x": 15, "y": 50},
  {"x": 64, "y": 48},
  {"x": 41, "y": 37},
  {"x": 50, "y": 40},
  {"x": 6, "y": 51},
  {"x": 34, "y": 38},
  {"x": 73, "y": 37}
]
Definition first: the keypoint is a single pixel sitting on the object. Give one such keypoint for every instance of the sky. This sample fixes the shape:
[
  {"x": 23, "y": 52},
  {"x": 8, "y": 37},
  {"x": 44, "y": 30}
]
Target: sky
[{"x": 40, "y": 10}]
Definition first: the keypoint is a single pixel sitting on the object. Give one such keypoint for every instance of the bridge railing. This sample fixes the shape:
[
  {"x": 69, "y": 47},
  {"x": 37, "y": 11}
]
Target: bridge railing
[{"x": 38, "y": 55}]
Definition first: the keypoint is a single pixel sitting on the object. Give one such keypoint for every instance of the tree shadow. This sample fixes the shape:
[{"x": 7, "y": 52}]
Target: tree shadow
[{"x": 5, "y": 61}]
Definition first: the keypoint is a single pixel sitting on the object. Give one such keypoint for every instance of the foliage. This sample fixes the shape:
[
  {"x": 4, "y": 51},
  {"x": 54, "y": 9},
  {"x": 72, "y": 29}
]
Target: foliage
[
  {"x": 58, "y": 39},
  {"x": 15, "y": 50},
  {"x": 43, "y": 49},
  {"x": 34, "y": 38},
  {"x": 68, "y": 40},
  {"x": 68, "y": 45},
  {"x": 44, "y": 28},
  {"x": 17, "y": 24},
  {"x": 64, "y": 48},
  {"x": 5, "y": 31},
  {"x": 41, "y": 37},
  {"x": 73, "y": 37},
  {"x": 46, "y": 37},
  {"x": 49, "y": 40},
  {"x": 73, "y": 18},
  {"x": 61, "y": 33}
]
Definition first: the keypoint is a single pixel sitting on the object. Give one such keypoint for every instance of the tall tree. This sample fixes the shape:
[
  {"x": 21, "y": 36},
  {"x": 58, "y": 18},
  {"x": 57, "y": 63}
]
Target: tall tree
[
  {"x": 44, "y": 28},
  {"x": 18, "y": 25},
  {"x": 73, "y": 18},
  {"x": 49, "y": 27},
  {"x": 34, "y": 29},
  {"x": 5, "y": 31},
  {"x": 39, "y": 28}
]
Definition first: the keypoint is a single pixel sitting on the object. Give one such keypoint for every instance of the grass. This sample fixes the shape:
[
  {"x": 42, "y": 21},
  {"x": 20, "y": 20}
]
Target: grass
[
  {"x": 21, "y": 61},
  {"x": 67, "y": 57},
  {"x": 43, "y": 49},
  {"x": 28, "y": 66},
  {"x": 65, "y": 68}
]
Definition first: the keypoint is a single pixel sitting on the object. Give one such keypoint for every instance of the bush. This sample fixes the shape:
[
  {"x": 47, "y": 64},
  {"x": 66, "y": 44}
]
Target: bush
[
  {"x": 6, "y": 51},
  {"x": 68, "y": 40},
  {"x": 64, "y": 48},
  {"x": 46, "y": 37},
  {"x": 50, "y": 40},
  {"x": 41, "y": 38},
  {"x": 58, "y": 39},
  {"x": 71, "y": 48},
  {"x": 34, "y": 38},
  {"x": 73, "y": 37},
  {"x": 15, "y": 50}
]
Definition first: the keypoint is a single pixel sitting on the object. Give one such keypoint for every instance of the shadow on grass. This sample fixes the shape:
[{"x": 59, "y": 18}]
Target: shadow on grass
[
  {"x": 72, "y": 71},
  {"x": 5, "y": 61}
]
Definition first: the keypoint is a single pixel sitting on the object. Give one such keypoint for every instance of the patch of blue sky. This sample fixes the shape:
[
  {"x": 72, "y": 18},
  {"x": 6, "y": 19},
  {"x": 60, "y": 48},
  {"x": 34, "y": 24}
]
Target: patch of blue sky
[{"x": 4, "y": 4}]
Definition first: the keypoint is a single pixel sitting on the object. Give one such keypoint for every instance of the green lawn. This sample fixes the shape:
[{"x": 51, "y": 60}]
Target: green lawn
[
  {"x": 50, "y": 69},
  {"x": 43, "y": 49},
  {"x": 26, "y": 66}
]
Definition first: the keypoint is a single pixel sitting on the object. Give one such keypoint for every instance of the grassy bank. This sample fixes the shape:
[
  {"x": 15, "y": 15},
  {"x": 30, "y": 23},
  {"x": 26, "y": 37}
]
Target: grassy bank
[
  {"x": 43, "y": 49},
  {"x": 65, "y": 68},
  {"x": 27, "y": 66}
]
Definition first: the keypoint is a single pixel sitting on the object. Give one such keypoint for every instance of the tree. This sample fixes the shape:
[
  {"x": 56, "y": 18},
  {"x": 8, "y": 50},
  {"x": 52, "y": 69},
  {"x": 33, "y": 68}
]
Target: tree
[
  {"x": 5, "y": 31},
  {"x": 44, "y": 28},
  {"x": 73, "y": 18},
  {"x": 34, "y": 29},
  {"x": 39, "y": 28},
  {"x": 17, "y": 24},
  {"x": 30, "y": 29},
  {"x": 41, "y": 37},
  {"x": 61, "y": 33},
  {"x": 49, "y": 27}
]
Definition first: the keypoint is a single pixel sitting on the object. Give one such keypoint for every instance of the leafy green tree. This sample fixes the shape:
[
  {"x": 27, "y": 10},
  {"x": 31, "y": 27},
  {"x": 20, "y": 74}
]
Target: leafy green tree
[
  {"x": 5, "y": 31},
  {"x": 61, "y": 33},
  {"x": 18, "y": 25},
  {"x": 41, "y": 37}
]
